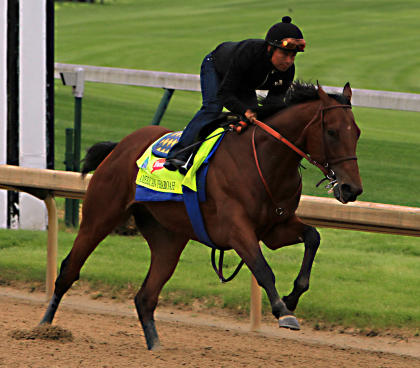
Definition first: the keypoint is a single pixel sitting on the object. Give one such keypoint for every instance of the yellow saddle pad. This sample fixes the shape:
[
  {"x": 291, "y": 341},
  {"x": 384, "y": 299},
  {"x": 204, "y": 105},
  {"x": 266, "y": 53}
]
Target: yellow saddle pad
[{"x": 153, "y": 176}]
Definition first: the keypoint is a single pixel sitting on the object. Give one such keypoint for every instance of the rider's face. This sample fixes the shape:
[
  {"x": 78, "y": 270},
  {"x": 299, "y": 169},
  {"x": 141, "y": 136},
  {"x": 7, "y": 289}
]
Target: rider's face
[{"x": 283, "y": 59}]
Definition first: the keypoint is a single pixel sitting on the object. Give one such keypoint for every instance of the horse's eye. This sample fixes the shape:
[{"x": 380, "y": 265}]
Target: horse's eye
[{"x": 332, "y": 133}]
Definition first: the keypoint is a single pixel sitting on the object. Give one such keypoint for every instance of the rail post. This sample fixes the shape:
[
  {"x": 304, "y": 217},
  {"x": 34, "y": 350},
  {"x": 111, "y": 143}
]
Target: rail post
[
  {"x": 76, "y": 79},
  {"x": 255, "y": 307},
  {"x": 52, "y": 245},
  {"x": 69, "y": 215},
  {"x": 164, "y": 102}
]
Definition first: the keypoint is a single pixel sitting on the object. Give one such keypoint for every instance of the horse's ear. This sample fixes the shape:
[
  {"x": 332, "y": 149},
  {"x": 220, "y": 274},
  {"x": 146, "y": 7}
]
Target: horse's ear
[
  {"x": 321, "y": 93},
  {"x": 347, "y": 91}
]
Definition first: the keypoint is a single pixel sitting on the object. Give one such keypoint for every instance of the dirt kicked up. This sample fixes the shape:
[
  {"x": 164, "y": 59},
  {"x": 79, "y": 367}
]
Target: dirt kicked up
[{"x": 93, "y": 333}]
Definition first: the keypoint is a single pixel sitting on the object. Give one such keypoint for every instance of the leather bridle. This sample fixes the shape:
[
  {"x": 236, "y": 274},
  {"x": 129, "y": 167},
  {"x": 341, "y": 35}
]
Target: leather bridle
[{"x": 324, "y": 167}]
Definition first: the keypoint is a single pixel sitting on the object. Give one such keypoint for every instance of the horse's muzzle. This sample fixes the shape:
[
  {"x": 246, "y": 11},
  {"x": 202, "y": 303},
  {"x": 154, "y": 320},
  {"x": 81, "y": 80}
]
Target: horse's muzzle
[{"x": 346, "y": 193}]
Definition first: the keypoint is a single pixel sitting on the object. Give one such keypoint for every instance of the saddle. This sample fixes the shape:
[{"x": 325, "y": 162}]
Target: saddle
[{"x": 225, "y": 120}]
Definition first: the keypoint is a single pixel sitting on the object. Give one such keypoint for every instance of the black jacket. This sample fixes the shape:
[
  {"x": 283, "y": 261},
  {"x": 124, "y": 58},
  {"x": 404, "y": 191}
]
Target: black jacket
[{"x": 244, "y": 67}]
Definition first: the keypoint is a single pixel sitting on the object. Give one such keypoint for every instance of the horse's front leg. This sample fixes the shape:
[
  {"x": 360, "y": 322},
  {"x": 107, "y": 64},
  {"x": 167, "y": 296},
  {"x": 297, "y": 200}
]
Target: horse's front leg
[
  {"x": 247, "y": 246},
  {"x": 292, "y": 232},
  {"x": 311, "y": 240},
  {"x": 266, "y": 279}
]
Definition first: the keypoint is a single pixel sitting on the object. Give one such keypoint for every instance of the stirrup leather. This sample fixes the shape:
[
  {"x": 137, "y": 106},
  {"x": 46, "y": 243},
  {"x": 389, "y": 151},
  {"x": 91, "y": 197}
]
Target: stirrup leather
[{"x": 219, "y": 270}]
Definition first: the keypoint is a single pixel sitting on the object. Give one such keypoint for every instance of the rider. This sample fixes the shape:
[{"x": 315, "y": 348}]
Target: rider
[{"x": 230, "y": 75}]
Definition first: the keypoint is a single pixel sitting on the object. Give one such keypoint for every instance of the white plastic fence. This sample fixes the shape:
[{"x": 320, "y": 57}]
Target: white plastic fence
[{"x": 191, "y": 82}]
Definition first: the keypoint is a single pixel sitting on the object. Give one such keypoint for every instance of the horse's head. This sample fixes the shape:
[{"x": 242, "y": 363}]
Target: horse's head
[{"x": 331, "y": 139}]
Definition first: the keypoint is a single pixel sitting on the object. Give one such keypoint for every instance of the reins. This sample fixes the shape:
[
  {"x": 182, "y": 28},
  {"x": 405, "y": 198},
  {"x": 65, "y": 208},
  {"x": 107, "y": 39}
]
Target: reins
[
  {"x": 284, "y": 140},
  {"x": 279, "y": 211}
]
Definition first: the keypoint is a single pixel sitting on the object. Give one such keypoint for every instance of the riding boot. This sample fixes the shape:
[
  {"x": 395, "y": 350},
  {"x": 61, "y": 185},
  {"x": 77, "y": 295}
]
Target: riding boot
[{"x": 176, "y": 160}]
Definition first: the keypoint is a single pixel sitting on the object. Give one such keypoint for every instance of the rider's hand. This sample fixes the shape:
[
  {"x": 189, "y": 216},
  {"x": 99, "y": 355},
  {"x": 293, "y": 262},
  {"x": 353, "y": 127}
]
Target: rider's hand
[{"x": 251, "y": 115}]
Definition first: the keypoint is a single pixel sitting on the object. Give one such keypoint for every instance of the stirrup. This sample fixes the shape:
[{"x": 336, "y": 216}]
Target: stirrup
[
  {"x": 187, "y": 164},
  {"x": 171, "y": 165}
]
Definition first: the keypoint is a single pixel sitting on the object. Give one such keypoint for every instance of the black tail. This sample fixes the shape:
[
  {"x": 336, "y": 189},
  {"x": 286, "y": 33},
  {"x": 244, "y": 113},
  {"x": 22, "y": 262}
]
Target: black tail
[{"x": 95, "y": 155}]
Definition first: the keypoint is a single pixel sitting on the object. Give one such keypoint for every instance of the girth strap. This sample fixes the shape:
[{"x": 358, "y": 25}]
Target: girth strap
[{"x": 219, "y": 270}]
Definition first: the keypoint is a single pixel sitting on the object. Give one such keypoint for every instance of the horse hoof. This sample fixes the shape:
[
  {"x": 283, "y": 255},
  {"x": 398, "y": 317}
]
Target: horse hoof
[
  {"x": 150, "y": 333},
  {"x": 289, "y": 322},
  {"x": 291, "y": 307},
  {"x": 155, "y": 347},
  {"x": 46, "y": 320}
]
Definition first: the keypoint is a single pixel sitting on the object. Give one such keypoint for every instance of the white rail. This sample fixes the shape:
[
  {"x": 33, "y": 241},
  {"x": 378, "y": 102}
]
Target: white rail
[{"x": 191, "y": 82}]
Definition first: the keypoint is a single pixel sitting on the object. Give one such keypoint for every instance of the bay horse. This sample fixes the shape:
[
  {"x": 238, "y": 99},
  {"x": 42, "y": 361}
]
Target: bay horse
[{"x": 253, "y": 190}]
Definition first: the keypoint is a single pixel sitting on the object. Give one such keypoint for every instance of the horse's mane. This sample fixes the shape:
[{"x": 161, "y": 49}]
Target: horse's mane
[{"x": 299, "y": 92}]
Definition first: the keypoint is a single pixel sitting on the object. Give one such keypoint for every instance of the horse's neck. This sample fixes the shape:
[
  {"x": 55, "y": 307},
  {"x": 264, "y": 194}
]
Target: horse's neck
[
  {"x": 292, "y": 122},
  {"x": 280, "y": 163}
]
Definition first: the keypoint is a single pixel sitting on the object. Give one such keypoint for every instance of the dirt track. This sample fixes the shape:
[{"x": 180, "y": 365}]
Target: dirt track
[{"x": 107, "y": 334}]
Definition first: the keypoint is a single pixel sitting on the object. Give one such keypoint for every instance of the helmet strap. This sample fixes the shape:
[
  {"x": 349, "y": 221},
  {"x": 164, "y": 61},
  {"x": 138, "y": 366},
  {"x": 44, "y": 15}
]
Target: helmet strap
[{"x": 270, "y": 50}]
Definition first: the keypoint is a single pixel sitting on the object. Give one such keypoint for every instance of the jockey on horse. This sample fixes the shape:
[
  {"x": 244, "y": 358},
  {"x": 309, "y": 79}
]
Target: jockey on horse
[{"x": 230, "y": 75}]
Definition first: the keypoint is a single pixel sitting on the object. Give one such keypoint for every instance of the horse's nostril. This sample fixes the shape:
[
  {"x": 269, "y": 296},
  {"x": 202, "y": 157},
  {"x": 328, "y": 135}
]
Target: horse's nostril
[
  {"x": 346, "y": 188},
  {"x": 348, "y": 193}
]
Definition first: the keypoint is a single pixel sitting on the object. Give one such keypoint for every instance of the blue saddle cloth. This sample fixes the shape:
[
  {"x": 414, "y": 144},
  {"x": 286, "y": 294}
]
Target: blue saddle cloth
[{"x": 162, "y": 147}]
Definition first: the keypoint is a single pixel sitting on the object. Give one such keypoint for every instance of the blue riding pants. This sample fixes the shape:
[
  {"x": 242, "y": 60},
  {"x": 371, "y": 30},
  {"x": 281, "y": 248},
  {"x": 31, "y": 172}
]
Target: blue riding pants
[{"x": 210, "y": 109}]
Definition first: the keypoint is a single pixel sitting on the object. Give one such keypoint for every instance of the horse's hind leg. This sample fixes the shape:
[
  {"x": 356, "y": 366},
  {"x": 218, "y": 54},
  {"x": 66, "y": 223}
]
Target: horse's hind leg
[
  {"x": 70, "y": 269},
  {"x": 166, "y": 248},
  {"x": 100, "y": 216}
]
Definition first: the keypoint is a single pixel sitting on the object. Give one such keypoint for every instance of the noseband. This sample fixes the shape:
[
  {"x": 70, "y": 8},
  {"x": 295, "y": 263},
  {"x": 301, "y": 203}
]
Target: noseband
[{"x": 325, "y": 167}]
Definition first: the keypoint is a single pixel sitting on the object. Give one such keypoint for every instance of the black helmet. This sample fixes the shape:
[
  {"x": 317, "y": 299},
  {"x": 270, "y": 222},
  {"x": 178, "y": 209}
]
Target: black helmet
[{"x": 286, "y": 35}]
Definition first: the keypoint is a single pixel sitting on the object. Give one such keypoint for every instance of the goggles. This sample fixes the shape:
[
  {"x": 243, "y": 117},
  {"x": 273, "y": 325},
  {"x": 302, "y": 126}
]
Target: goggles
[{"x": 292, "y": 44}]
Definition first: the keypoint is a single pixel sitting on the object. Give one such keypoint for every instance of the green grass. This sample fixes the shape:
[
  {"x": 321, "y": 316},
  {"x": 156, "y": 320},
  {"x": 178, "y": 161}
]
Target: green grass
[
  {"x": 367, "y": 281},
  {"x": 369, "y": 43},
  {"x": 359, "y": 279}
]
